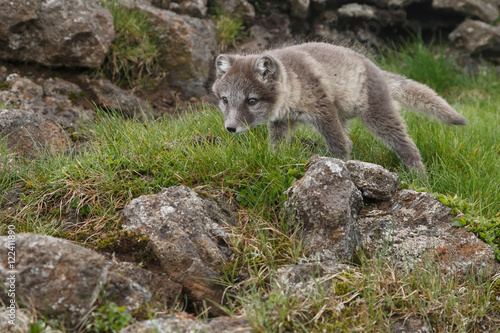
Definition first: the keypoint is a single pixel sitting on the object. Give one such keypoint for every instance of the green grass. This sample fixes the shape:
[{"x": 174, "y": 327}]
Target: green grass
[
  {"x": 229, "y": 29},
  {"x": 133, "y": 55},
  {"x": 127, "y": 158}
]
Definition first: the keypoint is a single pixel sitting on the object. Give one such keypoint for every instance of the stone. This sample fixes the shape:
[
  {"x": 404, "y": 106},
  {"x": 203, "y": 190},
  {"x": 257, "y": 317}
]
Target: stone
[
  {"x": 69, "y": 33},
  {"x": 30, "y": 134},
  {"x": 372, "y": 180},
  {"x": 357, "y": 11},
  {"x": 477, "y": 38},
  {"x": 54, "y": 276},
  {"x": 184, "y": 322},
  {"x": 188, "y": 234},
  {"x": 299, "y": 8},
  {"x": 238, "y": 8},
  {"x": 109, "y": 95},
  {"x": 395, "y": 3},
  {"x": 53, "y": 97},
  {"x": 483, "y": 10},
  {"x": 195, "y": 8},
  {"x": 191, "y": 46},
  {"x": 326, "y": 203},
  {"x": 411, "y": 324},
  {"x": 137, "y": 288},
  {"x": 413, "y": 227}
]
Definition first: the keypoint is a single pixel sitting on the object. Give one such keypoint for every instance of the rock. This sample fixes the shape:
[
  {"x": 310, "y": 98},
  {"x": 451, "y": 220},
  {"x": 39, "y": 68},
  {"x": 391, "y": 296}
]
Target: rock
[
  {"x": 326, "y": 203},
  {"x": 413, "y": 227},
  {"x": 372, "y": 180},
  {"x": 196, "y": 8},
  {"x": 411, "y": 324},
  {"x": 53, "y": 98},
  {"x": 190, "y": 45},
  {"x": 395, "y": 3},
  {"x": 357, "y": 11},
  {"x": 188, "y": 235},
  {"x": 238, "y": 8},
  {"x": 184, "y": 322},
  {"x": 177, "y": 322},
  {"x": 477, "y": 38},
  {"x": 109, "y": 95},
  {"x": 30, "y": 134},
  {"x": 68, "y": 33},
  {"x": 299, "y": 8},
  {"x": 56, "y": 277},
  {"x": 476, "y": 8},
  {"x": 133, "y": 287}
]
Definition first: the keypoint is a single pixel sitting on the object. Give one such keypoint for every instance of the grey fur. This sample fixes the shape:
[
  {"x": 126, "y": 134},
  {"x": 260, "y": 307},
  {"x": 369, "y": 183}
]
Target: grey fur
[{"x": 323, "y": 85}]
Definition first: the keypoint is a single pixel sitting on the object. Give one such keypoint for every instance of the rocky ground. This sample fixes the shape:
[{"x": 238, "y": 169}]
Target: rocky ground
[{"x": 50, "y": 57}]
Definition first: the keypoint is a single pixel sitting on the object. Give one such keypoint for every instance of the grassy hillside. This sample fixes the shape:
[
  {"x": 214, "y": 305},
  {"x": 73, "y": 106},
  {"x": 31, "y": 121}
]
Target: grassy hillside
[{"x": 80, "y": 196}]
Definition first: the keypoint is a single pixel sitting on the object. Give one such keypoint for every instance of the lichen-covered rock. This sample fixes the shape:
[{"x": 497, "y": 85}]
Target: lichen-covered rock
[
  {"x": 134, "y": 288},
  {"x": 357, "y": 11},
  {"x": 56, "y": 277},
  {"x": 372, "y": 180},
  {"x": 483, "y": 10},
  {"x": 395, "y": 3},
  {"x": 326, "y": 202},
  {"x": 188, "y": 235},
  {"x": 68, "y": 33},
  {"x": 477, "y": 38},
  {"x": 413, "y": 227},
  {"x": 31, "y": 134},
  {"x": 188, "y": 46}
]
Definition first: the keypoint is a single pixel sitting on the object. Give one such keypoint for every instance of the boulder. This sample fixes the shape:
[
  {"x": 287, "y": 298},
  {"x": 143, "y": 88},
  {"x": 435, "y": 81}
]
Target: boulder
[
  {"x": 357, "y": 12},
  {"x": 137, "y": 288},
  {"x": 69, "y": 33},
  {"x": 372, "y": 180},
  {"x": 413, "y": 227},
  {"x": 56, "y": 277},
  {"x": 326, "y": 203},
  {"x": 299, "y": 8},
  {"x": 30, "y": 134},
  {"x": 188, "y": 46},
  {"x": 238, "y": 8},
  {"x": 482, "y": 10},
  {"x": 477, "y": 38},
  {"x": 395, "y": 3},
  {"x": 188, "y": 235}
]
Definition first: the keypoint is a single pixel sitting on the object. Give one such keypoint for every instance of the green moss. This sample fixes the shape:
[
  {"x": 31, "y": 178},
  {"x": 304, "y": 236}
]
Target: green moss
[
  {"x": 4, "y": 86},
  {"x": 128, "y": 242}
]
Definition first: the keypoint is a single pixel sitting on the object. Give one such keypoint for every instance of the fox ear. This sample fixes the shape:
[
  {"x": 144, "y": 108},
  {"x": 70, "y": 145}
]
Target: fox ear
[
  {"x": 266, "y": 68},
  {"x": 222, "y": 64}
]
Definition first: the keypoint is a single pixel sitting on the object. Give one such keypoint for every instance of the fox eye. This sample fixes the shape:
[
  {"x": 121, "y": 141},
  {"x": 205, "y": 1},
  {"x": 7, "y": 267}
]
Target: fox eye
[
  {"x": 252, "y": 101},
  {"x": 225, "y": 100}
]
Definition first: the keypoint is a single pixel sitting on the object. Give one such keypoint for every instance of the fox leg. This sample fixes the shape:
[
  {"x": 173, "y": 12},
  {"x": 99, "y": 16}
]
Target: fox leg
[
  {"x": 280, "y": 131},
  {"x": 331, "y": 128}
]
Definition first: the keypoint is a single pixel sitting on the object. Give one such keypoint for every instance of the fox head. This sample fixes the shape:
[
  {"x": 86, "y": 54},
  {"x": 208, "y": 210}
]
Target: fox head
[{"x": 247, "y": 88}]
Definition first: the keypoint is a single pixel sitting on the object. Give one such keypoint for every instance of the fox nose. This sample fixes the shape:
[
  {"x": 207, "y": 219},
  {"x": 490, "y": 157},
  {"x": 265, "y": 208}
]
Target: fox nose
[{"x": 231, "y": 129}]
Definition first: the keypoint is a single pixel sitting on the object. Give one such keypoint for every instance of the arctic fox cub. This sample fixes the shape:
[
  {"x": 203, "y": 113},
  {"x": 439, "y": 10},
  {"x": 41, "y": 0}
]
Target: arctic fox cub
[{"x": 323, "y": 85}]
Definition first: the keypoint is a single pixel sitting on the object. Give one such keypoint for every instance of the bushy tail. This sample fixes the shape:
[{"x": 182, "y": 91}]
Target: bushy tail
[{"x": 419, "y": 97}]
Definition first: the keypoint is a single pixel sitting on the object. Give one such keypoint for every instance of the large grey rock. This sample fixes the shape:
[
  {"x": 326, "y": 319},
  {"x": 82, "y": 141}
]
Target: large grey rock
[
  {"x": 483, "y": 10},
  {"x": 69, "y": 33},
  {"x": 188, "y": 45},
  {"x": 372, "y": 180},
  {"x": 413, "y": 227},
  {"x": 31, "y": 134},
  {"x": 188, "y": 235},
  {"x": 326, "y": 203},
  {"x": 477, "y": 38},
  {"x": 56, "y": 277}
]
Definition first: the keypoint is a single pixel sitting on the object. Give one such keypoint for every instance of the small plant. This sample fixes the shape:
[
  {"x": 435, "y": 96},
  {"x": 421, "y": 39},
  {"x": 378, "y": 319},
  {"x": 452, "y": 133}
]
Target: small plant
[
  {"x": 134, "y": 53},
  {"x": 109, "y": 318},
  {"x": 229, "y": 30}
]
